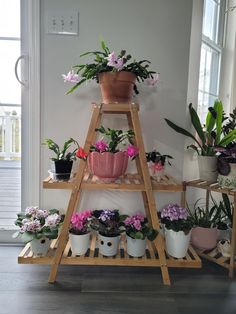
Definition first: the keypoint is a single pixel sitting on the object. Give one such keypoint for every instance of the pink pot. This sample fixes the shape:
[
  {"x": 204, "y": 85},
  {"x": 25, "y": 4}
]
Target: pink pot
[
  {"x": 204, "y": 238},
  {"x": 108, "y": 166}
]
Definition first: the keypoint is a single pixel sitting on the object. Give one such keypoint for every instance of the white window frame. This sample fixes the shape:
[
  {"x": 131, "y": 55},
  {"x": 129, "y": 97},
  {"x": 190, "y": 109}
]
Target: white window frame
[{"x": 216, "y": 46}]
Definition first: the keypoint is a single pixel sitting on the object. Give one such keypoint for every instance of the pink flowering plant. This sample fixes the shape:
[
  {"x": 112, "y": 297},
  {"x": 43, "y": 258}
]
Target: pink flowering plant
[
  {"x": 137, "y": 227},
  {"x": 112, "y": 141},
  {"x": 108, "y": 61},
  {"x": 80, "y": 222},
  {"x": 36, "y": 223},
  {"x": 176, "y": 218},
  {"x": 107, "y": 222}
]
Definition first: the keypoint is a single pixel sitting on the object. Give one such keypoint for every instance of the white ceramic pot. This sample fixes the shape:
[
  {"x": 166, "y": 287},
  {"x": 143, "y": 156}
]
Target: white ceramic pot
[
  {"x": 79, "y": 243},
  {"x": 40, "y": 246},
  {"x": 228, "y": 181},
  {"x": 208, "y": 168},
  {"x": 108, "y": 246},
  {"x": 177, "y": 243},
  {"x": 136, "y": 247}
]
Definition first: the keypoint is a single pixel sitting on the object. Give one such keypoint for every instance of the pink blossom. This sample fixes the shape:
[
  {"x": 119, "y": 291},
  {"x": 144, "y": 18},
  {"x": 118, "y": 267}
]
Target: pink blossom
[
  {"x": 115, "y": 62},
  {"x": 132, "y": 150},
  {"x": 79, "y": 221},
  {"x": 71, "y": 77},
  {"x": 153, "y": 81},
  {"x": 101, "y": 146},
  {"x": 33, "y": 210},
  {"x": 156, "y": 167}
]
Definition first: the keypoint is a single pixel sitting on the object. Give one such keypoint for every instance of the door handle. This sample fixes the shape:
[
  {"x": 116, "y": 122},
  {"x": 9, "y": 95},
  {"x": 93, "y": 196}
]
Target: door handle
[{"x": 16, "y": 70}]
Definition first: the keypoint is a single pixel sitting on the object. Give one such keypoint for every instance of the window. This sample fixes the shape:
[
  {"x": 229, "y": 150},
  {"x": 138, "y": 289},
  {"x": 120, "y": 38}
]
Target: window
[{"x": 211, "y": 51}]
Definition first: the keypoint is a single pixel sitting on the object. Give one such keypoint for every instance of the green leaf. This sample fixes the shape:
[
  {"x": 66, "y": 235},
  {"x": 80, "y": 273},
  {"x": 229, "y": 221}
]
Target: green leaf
[
  {"x": 197, "y": 124},
  {"x": 219, "y": 110},
  {"x": 27, "y": 237},
  {"x": 182, "y": 131},
  {"x": 231, "y": 136},
  {"x": 210, "y": 122}
]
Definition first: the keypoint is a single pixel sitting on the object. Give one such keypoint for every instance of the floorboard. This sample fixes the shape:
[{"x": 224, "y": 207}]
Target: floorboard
[{"x": 112, "y": 290}]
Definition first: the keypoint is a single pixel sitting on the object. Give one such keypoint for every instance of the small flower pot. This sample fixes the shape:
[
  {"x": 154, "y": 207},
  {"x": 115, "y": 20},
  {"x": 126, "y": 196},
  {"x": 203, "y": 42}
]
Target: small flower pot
[
  {"x": 40, "y": 247},
  {"x": 224, "y": 248},
  {"x": 177, "y": 243},
  {"x": 116, "y": 86},
  {"x": 204, "y": 238},
  {"x": 136, "y": 247},
  {"x": 108, "y": 166},
  {"x": 63, "y": 169},
  {"x": 108, "y": 246},
  {"x": 79, "y": 243}
]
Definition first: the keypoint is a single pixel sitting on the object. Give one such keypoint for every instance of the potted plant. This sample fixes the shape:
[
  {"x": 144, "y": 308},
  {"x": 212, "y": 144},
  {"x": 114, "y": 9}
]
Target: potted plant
[
  {"x": 225, "y": 220},
  {"x": 108, "y": 224},
  {"x": 209, "y": 135},
  {"x": 79, "y": 232},
  {"x": 137, "y": 233},
  {"x": 116, "y": 74},
  {"x": 157, "y": 163},
  {"x": 107, "y": 160},
  {"x": 204, "y": 233},
  {"x": 226, "y": 165},
  {"x": 63, "y": 160},
  {"x": 178, "y": 226},
  {"x": 39, "y": 227}
]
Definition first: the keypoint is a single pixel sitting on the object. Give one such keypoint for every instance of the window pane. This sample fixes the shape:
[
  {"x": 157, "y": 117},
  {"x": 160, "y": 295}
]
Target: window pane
[
  {"x": 210, "y": 19},
  {"x": 10, "y": 91},
  {"x": 9, "y": 18}
]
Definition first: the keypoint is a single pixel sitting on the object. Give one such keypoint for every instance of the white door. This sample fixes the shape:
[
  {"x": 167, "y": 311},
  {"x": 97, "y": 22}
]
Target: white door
[{"x": 19, "y": 110}]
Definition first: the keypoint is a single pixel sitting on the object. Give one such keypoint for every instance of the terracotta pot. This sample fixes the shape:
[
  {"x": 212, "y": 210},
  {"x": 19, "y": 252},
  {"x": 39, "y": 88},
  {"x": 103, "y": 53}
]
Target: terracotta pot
[
  {"x": 204, "y": 238},
  {"x": 116, "y": 86},
  {"x": 108, "y": 166}
]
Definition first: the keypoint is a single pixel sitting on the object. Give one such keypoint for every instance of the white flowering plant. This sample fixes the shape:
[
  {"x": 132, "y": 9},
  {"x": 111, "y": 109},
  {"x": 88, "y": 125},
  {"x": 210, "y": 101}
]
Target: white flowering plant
[{"x": 36, "y": 223}]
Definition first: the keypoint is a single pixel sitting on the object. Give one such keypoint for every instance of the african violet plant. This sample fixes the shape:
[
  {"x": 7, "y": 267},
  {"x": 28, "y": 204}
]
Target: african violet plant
[
  {"x": 112, "y": 139},
  {"x": 210, "y": 134}
]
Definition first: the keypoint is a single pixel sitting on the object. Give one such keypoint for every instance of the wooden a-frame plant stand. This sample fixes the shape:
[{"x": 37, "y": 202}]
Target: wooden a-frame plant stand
[{"x": 60, "y": 252}]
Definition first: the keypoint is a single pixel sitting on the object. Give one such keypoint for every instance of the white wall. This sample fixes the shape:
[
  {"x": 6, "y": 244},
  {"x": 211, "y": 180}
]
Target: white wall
[{"x": 158, "y": 30}]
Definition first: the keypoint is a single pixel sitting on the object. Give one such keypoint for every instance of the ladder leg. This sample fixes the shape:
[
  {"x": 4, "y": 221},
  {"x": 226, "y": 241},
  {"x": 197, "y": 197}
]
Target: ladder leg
[
  {"x": 148, "y": 195},
  {"x": 75, "y": 195}
]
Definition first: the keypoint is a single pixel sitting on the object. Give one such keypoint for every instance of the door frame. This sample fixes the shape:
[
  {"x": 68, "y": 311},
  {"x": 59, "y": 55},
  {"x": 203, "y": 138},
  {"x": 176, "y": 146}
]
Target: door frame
[{"x": 30, "y": 75}]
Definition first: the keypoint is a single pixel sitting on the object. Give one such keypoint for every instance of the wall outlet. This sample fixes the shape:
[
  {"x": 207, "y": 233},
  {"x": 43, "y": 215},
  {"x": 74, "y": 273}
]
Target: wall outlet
[{"x": 63, "y": 23}]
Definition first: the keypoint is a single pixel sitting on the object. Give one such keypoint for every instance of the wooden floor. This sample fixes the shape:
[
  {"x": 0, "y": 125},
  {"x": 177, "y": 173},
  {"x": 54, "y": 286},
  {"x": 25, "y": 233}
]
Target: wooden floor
[
  {"x": 112, "y": 290},
  {"x": 10, "y": 192}
]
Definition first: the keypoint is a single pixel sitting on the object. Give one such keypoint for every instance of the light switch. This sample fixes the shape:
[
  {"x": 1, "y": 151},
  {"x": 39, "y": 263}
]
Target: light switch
[{"x": 63, "y": 23}]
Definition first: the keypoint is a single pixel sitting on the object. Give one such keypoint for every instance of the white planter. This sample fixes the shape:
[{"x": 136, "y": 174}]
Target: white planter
[
  {"x": 135, "y": 247},
  {"x": 79, "y": 243},
  {"x": 208, "y": 168},
  {"x": 108, "y": 246},
  {"x": 40, "y": 246},
  {"x": 228, "y": 181},
  {"x": 177, "y": 243}
]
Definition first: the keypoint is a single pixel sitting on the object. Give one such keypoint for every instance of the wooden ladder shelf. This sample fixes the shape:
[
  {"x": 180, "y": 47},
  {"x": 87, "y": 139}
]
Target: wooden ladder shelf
[{"x": 156, "y": 256}]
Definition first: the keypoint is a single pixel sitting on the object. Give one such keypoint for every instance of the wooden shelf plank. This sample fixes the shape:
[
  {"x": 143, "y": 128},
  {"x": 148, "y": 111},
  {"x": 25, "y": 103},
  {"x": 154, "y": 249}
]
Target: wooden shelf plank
[
  {"x": 150, "y": 259},
  {"x": 129, "y": 182},
  {"x": 210, "y": 186}
]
